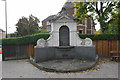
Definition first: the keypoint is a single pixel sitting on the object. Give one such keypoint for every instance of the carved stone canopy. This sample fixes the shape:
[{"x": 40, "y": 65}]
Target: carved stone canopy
[
  {"x": 62, "y": 15},
  {"x": 64, "y": 31}
]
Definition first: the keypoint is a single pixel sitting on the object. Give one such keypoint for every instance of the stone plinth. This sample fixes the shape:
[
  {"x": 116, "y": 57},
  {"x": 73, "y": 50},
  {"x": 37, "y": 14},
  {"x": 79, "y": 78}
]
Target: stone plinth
[{"x": 76, "y": 52}]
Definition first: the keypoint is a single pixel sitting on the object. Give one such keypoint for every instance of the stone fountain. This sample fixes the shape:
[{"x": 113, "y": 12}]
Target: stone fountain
[{"x": 64, "y": 43}]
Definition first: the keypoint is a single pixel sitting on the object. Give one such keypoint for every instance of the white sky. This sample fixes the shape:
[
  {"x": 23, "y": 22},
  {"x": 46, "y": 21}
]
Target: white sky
[{"x": 18, "y": 8}]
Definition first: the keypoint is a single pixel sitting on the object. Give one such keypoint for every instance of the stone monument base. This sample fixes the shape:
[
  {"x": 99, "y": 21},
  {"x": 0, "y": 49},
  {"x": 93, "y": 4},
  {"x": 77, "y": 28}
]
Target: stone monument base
[
  {"x": 65, "y": 65},
  {"x": 64, "y": 52}
]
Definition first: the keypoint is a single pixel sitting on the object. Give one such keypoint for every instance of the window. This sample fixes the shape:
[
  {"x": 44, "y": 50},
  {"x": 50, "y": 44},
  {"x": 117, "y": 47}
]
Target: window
[
  {"x": 48, "y": 28},
  {"x": 81, "y": 31},
  {"x": 47, "y": 23}
]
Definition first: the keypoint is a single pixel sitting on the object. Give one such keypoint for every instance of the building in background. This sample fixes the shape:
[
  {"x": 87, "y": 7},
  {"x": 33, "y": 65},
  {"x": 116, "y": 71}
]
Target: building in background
[
  {"x": 2, "y": 34},
  {"x": 85, "y": 26}
]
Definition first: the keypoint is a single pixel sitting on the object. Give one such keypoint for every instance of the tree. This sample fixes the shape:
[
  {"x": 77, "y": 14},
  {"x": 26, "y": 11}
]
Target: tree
[
  {"x": 100, "y": 11},
  {"x": 113, "y": 24},
  {"x": 112, "y": 27},
  {"x": 118, "y": 7},
  {"x": 98, "y": 32},
  {"x": 27, "y": 26}
]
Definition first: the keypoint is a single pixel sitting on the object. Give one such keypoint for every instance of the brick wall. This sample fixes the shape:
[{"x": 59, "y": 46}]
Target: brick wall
[
  {"x": 89, "y": 26},
  {"x": 44, "y": 25},
  {"x": 81, "y": 28}
]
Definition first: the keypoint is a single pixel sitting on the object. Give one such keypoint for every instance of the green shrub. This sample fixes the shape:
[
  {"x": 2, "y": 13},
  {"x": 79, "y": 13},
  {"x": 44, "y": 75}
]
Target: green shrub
[
  {"x": 100, "y": 36},
  {"x": 42, "y": 31},
  {"x": 32, "y": 39}
]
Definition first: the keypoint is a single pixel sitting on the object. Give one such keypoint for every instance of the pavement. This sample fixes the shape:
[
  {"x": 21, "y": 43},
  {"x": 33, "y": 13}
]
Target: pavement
[
  {"x": 0, "y": 57},
  {"x": 0, "y": 66},
  {"x": 24, "y": 69}
]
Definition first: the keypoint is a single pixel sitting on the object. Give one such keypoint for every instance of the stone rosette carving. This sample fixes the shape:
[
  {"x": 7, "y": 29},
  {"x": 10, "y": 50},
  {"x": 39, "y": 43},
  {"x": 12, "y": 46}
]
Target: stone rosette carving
[
  {"x": 87, "y": 42},
  {"x": 41, "y": 43}
]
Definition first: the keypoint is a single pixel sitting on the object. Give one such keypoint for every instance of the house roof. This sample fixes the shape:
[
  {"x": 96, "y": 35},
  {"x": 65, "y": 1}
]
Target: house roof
[
  {"x": 2, "y": 30},
  {"x": 62, "y": 14},
  {"x": 67, "y": 5},
  {"x": 49, "y": 18}
]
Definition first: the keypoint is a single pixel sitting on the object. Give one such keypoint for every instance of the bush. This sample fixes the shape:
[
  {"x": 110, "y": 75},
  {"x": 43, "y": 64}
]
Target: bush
[
  {"x": 32, "y": 39},
  {"x": 100, "y": 36},
  {"x": 42, "y": 31}
]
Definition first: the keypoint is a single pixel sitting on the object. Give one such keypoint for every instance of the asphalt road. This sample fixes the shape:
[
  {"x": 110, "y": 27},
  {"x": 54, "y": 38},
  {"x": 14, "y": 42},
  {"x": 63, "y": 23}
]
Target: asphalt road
[{"x": 23, "y": 69}]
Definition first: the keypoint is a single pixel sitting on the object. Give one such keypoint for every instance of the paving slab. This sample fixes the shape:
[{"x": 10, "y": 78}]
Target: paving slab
[
  {"x": 24, "y": 69},
  {"x": 0, "y": 66}
]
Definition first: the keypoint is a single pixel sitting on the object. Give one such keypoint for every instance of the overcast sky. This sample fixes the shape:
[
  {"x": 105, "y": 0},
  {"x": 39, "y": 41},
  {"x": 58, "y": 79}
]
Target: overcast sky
[{"x": 18, "y": 8}]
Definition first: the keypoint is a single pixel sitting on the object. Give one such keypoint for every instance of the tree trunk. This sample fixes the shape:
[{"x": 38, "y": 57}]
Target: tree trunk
[{"x": 101, "y": 28}]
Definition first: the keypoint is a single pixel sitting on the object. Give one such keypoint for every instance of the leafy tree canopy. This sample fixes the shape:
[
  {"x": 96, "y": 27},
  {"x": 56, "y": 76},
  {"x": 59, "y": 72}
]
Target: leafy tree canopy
[
  {"x": 113, "y": 23},
  {"x": 27, "y": 26},
  {"x": 118, "y": 7},
  {"x": 100, "y": 11}
]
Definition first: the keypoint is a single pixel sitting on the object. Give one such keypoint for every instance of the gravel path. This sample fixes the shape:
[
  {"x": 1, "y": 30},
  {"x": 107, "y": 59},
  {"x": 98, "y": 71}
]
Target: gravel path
[{"x": 23, "y": 69}]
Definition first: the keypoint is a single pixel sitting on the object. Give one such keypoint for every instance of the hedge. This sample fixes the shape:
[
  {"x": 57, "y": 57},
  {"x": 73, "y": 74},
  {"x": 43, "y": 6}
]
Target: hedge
[
  {"x": 32, "y": 39},
  {"x": 100, "y": 36}
]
